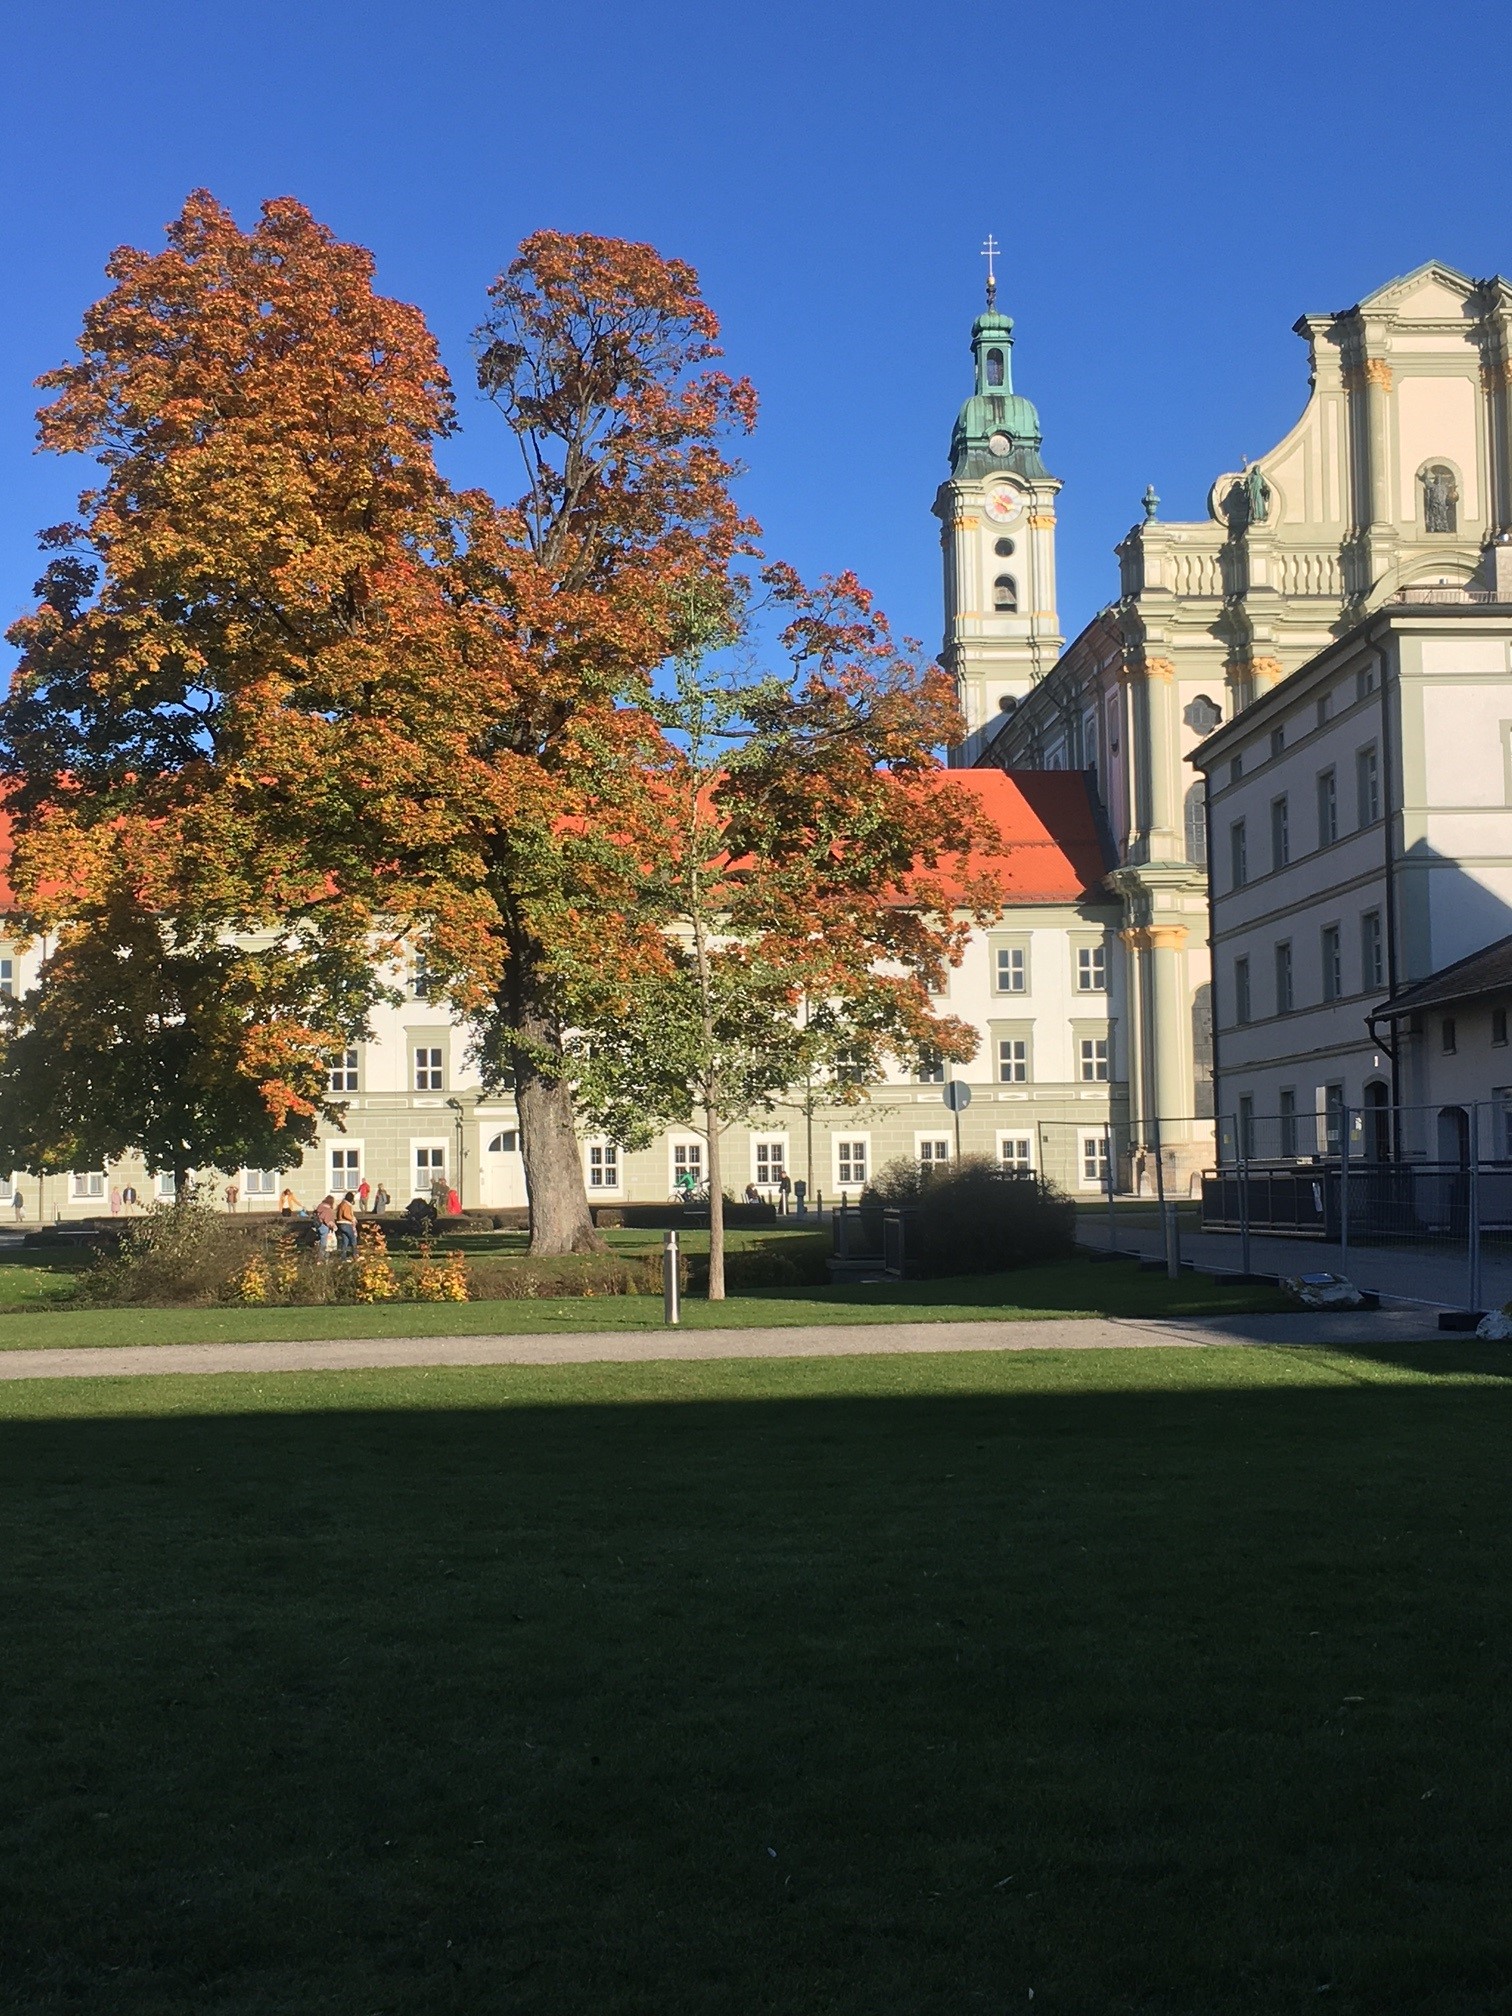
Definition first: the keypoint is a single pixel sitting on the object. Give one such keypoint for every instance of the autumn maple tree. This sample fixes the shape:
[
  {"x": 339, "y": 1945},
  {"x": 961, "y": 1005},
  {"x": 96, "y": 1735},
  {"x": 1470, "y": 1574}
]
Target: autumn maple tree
[{"x": 207, "y": 669}]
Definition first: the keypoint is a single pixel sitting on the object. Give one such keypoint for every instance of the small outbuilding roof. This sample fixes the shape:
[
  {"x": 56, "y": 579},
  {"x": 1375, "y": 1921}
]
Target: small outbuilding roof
[{"x": 1472, "y": 978}]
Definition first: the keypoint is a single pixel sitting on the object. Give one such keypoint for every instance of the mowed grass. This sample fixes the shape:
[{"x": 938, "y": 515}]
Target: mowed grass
[
  {"x": 1165, "y": 1682},
  {"x": 1078, "y": 1287}
]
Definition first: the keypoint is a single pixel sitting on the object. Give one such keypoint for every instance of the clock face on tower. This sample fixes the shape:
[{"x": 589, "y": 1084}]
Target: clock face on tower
[{"x": 1002, "y": 505}]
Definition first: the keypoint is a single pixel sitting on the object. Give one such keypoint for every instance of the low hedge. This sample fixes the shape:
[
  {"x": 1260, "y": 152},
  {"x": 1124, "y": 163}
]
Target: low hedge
[{"x": 972, "y": 1217}]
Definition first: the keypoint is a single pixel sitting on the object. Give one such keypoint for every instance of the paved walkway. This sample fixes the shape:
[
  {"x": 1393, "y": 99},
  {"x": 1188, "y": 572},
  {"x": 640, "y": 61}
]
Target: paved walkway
[
  {"x": 1437, "y": 1274},
  {"x": 347, "y": 1354}
]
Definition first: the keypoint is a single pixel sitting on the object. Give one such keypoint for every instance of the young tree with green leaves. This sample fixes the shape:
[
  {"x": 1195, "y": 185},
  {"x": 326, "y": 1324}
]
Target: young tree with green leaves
[{"x": 814, "y": 878}]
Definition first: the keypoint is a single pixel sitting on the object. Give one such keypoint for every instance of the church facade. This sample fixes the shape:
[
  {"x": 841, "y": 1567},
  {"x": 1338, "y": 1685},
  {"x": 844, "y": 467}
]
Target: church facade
[{"x": 1394, "y": 484}]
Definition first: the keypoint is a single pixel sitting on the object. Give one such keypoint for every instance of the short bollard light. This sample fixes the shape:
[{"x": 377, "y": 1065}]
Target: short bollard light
[{"x": 671, "y": 1285}]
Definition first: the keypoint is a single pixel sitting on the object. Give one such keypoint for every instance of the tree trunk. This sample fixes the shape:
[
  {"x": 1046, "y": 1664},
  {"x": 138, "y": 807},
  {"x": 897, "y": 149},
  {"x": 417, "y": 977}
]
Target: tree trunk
[
  {"x": 560, "y": 1221},
  {"x": 716, "y": 1211}
]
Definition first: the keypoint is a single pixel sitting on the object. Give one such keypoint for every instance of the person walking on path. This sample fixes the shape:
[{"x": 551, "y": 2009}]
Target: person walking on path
[
  {"x": 346, "y": 1228},
  {"x": 325, "y": 1226},
  {"x": 364, "y": 1194},
  {"x": 288, "y": 1203},
  {"x": 784, "y": 1190},
  {"x": 380, "y": 1201},
  {"x": 233, "y": 1193},
  {"x": 18, "y": 1205}
]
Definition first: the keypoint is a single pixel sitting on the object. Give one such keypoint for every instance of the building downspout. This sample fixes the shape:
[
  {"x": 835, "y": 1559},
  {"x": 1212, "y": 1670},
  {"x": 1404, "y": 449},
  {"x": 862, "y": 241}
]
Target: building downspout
[
  {"x": 1207, "y": 823},
  {"x": 1387, "y": 822}
]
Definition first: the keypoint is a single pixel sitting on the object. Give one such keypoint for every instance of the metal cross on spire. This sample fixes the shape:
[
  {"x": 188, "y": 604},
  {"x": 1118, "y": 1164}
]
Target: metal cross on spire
[{"x": 990, "y": 250}]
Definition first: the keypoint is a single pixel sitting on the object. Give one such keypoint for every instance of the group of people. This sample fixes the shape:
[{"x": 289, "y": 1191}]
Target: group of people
[
  {"x": 786, "y": 1188},
  {"x": 372, "y": 1203},
  {"x": 336, "y": 1226}
]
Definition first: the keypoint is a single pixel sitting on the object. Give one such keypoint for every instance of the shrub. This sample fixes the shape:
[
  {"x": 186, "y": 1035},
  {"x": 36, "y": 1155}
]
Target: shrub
[
  {"x": 437, "y": 1280},
  {"x": 973, "y": 1217},
  {"x": 178, "y": 1253}
]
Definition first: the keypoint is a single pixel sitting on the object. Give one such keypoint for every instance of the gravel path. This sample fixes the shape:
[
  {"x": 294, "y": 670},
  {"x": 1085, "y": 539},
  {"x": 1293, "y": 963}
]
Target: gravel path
[{"x": 579, "y": 1347}]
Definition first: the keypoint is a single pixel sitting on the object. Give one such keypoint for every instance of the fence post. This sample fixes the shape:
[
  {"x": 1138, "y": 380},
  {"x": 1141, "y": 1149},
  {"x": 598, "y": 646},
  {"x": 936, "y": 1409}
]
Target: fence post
[
  {"x": 1241, "y": 1161},
  {"x": 1473, "y": 1229},
  {"x": 671, "y": 1282},
  {"x": 1343, "y": 1188},
  {"x": 1167, "y": 1213},
  {"x": 1112, "y": 1214}
]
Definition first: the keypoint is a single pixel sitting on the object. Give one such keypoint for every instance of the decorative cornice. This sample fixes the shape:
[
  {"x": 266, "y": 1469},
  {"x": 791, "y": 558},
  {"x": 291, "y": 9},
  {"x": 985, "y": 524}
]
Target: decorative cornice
[
  {"x": 1041, "y": 521},
  {"x": 964, "y": 524},
  {"x": 1151, "y": 668},
  {"x": 1166, "y": 937},
  {"x": 1496, "y": 375}
]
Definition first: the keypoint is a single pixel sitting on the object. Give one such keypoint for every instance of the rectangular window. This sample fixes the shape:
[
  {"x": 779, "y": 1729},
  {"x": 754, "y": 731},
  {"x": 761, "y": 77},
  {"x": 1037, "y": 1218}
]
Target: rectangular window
[
  {"x": 603, "y": 1166},
  {"x": 1288, "y": 1108},
  {"x": 1013, "y": 1060},
  {"x": 1280, "y": 834},
  {"x": 1278, "y": 741},
  {"x": 1241, "y": 990},
  {"x": 1247, "y": 1127},
  {"x": 1094, "y": 1161},
  {"x": 1501, "y": 1104},
  {"x": 931, "y": 1070},
  {"x": 1367, "y": 787},
  {"x": 1236, "y": 769},
  {"x": 7, "y": 979},
  {"x": 1017, "y": 1153},
  {"x": 430, "y": 1170},
  {"x": 934, "y": 1150},
  {"x": 1372, "y": 966},
  {"x": 1328, "y": 807},
  {"x": 91, "y": 1183},
  {"x": 1284, "y": 997},
  {"x": 1365, "y": 683},
  {"x": 850, "y": 1164},
  {"x": 1238, "y": 855},
  {"x": 771, "y": 1161},
  {"x": 165, "y": 1187},
  {"x": 1333, "y": 965},
  {"x": 423, "y": 987},
  {"x": 1322, "y": 710},
  {"x": 260, "y": 1182},
  {"x": 1091, "y": 969},
  {"x": 1094, "y": 1060},
  {"x": 428, "y": 1070},
  {"x": 1012, "y": 969},
  {"x": 341, "y": 1072},
  {"x": 687, "y": 1163},
  {"x": 346, "y": 1169},
  {"x": 1449, "y": 1036},
  {"x": 1499, "y": 1028}
]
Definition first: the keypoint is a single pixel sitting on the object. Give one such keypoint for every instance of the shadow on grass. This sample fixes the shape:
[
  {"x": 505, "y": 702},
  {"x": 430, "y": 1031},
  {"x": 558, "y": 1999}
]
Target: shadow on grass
[{"x": 1168, "y": 1700}]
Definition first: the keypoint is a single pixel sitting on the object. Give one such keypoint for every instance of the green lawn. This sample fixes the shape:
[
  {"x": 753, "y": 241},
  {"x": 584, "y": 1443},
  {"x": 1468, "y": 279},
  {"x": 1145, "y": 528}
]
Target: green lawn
[
  {"x": 1158, "y": 1682},
  {"x": 1068, "y": 1288}
]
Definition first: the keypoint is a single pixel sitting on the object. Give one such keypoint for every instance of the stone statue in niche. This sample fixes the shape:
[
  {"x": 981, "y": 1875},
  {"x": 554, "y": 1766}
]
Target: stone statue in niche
[{"x": 1440, "y": 498}]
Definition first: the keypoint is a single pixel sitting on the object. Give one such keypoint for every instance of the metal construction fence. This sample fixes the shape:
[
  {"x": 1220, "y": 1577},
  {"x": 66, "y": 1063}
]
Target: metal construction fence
[{"x": 1407, "y": 1201}]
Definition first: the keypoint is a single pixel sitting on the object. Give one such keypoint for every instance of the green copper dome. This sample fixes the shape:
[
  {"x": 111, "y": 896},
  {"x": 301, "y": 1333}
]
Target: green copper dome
[{"x": 997, "y": 428}]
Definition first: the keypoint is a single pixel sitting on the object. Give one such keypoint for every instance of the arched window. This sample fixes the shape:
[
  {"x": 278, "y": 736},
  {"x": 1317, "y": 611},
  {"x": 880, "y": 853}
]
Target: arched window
[
  {"x": 1004, "y": 593},
  {"x": 1196, "y": 827},
  {"x": 504, "y": 1144},
  {"x": 994, "y": 367},
  {"x": 1440, "y": 498},
  {"x": 1004, "y": 549}
]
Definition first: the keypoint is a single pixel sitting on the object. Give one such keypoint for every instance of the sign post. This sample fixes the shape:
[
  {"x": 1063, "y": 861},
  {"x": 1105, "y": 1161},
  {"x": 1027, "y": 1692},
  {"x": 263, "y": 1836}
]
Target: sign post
[{"x": 957, "y": 1097}]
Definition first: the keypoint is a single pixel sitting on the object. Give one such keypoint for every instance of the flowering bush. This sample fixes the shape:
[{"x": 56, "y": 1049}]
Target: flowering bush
[{"x": 435, "y": 1280}]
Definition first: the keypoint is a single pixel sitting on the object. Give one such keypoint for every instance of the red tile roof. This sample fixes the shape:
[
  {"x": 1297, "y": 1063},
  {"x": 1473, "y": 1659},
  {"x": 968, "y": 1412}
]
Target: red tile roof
[{"x": 1054, "y": 843}]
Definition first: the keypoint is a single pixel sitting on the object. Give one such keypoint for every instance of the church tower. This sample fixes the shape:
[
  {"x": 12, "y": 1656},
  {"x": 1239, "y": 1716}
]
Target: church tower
[{"x": 997, "y": 514}]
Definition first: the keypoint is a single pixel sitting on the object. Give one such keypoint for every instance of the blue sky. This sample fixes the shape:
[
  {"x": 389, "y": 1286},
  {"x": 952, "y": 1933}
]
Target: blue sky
[{"x": 1173, "y": 184}]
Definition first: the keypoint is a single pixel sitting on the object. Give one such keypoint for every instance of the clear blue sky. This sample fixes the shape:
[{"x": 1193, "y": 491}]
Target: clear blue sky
[{"x": 1174, "y": 184}]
